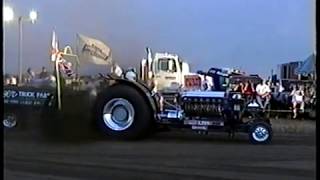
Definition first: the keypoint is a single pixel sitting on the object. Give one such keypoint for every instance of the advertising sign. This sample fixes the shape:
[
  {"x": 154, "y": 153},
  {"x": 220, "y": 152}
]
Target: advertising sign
[{"x": 27, "y": 98}]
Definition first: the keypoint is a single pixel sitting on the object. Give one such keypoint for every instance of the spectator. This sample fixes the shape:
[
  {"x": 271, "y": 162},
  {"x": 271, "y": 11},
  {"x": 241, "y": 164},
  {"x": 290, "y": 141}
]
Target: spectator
[
  {"x": 313, "y": 94},
  {"x": 297, "y": 99},
  {"x": 263, "y": 94},
  {"x": 7, "y": 81},
  {"x": 309, "y": 95},
  {"x": 13, "y": 81},
  {"x": 248, "y": 90},
  {"x": 44, "y": 73},
  {"x": 293, "y": 86},
  {"x": 271, "y": 85},
  {"x": 207, "y": 83},
  {"x": 30, "y": 75},
  {"x": 278, "y": 90},
  {"x": 279, "y": 87},
  {"x": 238, "y": 87}
]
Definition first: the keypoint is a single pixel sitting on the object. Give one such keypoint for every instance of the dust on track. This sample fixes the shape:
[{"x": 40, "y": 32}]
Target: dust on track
[{"x": 168, "y": 155}]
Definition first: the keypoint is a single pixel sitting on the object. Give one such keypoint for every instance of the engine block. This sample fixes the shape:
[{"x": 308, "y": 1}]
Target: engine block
[{"x": 202, "y": 103}]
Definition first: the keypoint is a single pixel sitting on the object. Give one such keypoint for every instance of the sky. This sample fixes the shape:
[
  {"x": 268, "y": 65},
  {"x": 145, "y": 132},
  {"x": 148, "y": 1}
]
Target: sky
[{"x": 254, "y": 35}]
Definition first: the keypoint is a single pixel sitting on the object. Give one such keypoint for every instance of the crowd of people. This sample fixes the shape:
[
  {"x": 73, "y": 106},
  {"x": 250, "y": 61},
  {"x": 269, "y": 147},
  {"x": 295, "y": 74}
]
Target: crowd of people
[
  {"x": 299, "y": 94},
  {"x": 31, "y": 77}
]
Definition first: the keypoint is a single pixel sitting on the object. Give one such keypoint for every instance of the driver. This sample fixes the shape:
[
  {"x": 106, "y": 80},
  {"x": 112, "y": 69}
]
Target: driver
[{"x": 131, "y": 74}]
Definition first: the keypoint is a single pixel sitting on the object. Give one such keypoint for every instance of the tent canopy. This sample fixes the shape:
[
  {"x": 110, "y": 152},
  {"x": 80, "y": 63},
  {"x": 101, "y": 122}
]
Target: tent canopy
[{"x": 308, "y": 66}]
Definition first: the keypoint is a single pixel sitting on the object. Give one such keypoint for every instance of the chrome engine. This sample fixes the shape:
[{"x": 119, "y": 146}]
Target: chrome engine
[
  {"x": 202, "y": 109},
  {"x": 202, "y": 103}
]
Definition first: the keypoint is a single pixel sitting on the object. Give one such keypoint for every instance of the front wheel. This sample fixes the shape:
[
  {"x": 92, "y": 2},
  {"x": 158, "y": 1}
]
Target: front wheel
[
  {"x": 123, "y": 113},
  {"x": 260, "y": 133}
]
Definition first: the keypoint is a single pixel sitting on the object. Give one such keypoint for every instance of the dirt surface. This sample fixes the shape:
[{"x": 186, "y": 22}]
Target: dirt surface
[{"x": 167, "y": 155}]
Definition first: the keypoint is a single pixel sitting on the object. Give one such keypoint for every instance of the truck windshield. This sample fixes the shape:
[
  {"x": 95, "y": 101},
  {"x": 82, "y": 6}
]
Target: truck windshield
[{"x": 164, "y": 65}]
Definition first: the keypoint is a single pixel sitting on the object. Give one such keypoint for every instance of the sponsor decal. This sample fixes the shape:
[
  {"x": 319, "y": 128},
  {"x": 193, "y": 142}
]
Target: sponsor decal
[
  {"x": 192, "y": 81},
  {"x": 199, "y": 127},
  {"x": 9, "y": 94},
  {"x": 26, "y": 97},
  {"x": 93, "y": 50},
  {"x": 203, "y": 123}
]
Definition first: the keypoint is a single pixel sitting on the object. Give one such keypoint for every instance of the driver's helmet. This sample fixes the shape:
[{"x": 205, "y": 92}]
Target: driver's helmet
[{"x": 130, "y": 74}]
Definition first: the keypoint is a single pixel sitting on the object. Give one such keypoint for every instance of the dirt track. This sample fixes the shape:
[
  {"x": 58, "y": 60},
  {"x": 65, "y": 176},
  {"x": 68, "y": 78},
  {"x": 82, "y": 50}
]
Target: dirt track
[{"x": 162, "y": 156}]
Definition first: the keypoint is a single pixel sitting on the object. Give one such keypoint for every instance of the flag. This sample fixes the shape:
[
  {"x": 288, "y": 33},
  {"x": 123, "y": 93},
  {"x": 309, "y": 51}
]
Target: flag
[
  {"x": 66, "y": 68},
  {"x": 54, "y": 47},
  {"x": 116, "y": 69},
  {"x": 63, "y": 65},
  {"x": 93, "y": 51}
]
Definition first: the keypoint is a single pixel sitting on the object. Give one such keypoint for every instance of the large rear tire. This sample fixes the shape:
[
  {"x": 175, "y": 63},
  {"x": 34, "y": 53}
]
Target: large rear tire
[{"x": 123, "y": 113}]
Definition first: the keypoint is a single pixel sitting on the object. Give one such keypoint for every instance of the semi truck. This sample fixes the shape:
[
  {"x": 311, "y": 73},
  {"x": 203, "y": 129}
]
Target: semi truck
[{"x": 168, "y": 71}]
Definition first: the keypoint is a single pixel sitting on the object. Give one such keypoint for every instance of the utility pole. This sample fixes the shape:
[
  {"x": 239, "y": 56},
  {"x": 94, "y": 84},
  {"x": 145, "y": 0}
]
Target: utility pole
[
  {"x": 20, "y": 49},
  {"x": 4, "y": 50}
]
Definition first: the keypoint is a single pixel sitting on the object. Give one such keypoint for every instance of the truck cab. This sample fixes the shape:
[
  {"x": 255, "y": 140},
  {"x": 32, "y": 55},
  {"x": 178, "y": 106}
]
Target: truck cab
[{"x": 167, "y": 70}]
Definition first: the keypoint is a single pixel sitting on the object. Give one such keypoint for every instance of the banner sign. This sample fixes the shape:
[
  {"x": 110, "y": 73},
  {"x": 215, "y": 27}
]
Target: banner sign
[
  {"x": 28, "y": 98},
  {"x": 93, "y": 50}
]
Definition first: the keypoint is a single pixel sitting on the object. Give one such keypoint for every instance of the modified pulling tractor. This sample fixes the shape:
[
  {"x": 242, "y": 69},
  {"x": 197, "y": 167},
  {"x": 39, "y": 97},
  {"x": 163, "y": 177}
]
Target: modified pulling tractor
[{"x": 128, "y": 108}]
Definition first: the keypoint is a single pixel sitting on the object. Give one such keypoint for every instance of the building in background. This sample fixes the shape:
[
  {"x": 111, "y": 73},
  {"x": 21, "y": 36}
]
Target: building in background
[
  {"x": 289, "y": 70},
  {"x": 298, "y": 70}
]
